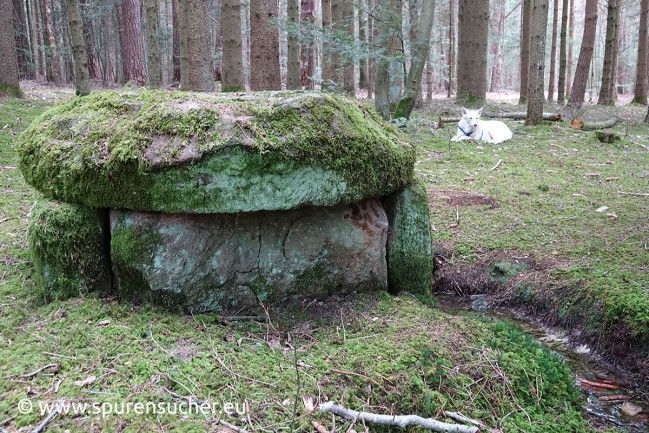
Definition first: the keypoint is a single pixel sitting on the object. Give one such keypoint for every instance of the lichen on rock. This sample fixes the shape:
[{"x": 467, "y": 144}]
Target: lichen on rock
[
  {"x": 68, "y": 249},
  {"x": 213, "y": 153}
]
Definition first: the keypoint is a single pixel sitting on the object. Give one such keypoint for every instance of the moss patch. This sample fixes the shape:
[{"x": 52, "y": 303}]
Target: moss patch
[
  {"x": 67, "y": 246},
  {"x": 186, "y": 152},
  {"x": 409, "y": 248}
]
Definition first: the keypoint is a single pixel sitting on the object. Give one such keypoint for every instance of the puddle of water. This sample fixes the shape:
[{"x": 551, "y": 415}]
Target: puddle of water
[{"x": 609, "y": 397}]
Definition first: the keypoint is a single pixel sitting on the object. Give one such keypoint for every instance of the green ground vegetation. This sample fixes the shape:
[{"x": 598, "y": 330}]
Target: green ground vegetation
[{"x": 382, "y": 353}]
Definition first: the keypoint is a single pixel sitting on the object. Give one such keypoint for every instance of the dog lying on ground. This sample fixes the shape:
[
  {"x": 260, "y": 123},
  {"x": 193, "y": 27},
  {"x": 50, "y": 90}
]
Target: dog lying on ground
[{"x": 470, "y": 127}]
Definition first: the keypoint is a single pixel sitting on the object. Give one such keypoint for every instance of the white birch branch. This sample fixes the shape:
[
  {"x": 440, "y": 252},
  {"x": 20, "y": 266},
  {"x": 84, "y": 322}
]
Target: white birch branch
[{"x": 402, "y": 421}]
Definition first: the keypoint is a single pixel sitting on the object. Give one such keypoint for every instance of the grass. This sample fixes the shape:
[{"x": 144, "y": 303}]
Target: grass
[{"x": 377, "y": 352}]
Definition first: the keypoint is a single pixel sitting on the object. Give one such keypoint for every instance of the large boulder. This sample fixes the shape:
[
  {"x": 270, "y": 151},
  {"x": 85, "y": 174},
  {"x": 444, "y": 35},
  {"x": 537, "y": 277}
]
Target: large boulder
[
  {"x": 225, "y": 262},
  {"x": 182, "y": 152}
]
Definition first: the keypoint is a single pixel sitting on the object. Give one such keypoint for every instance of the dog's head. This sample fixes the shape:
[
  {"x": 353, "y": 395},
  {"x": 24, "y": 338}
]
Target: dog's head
[{"x": 470, "y": 118}]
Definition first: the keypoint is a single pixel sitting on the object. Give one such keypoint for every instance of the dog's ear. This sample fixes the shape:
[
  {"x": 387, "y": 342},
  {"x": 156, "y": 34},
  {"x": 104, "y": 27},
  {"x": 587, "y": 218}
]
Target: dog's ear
[
  {"x": 480, "y": 111},
  {"x": 464, "y": 111}
]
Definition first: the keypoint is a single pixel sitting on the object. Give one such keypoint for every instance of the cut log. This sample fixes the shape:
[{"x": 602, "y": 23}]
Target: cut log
[
  {"x": 555, "y": 117},
  {"x": 592, "y": 126}
]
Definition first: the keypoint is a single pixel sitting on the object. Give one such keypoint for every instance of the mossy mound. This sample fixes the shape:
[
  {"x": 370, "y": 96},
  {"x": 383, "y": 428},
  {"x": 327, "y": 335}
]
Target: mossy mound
[
  {"x": 66, "y": 242},
  {"x": 409, "y": 247},
  {"x": 213, "y": 153}
]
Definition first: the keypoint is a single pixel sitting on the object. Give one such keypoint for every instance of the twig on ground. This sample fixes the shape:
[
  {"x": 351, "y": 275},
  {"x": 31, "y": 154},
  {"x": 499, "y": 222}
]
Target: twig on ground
[
  {"x": 319, "y": 427},
  {"x": 461, "y": 418},
  {"x": 351, "y": 373},
  {"x": 496, "y": 166},
  {"x": 560, "y": 147},
  {"x": 643, "y": 146},
  {"x": 402, "y": 421},
  {"x": 637, "y": 194},
  {"x": 231, "y": 426},
  {"x": 244, "y": 318},
  {"x": 43, "y": 425},
  {"x": 156, "y": 343},
  {"x": 35, "y": 372}
]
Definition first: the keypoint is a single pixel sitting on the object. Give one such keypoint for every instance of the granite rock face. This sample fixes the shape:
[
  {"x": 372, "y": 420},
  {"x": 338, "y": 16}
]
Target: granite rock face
[{"x": 223, "y": 262}]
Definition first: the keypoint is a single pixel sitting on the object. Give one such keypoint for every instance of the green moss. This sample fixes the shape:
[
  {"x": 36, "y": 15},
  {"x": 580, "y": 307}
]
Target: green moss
[
  {"x": 503, "y": 270},
  {"x": 180, "y": 151},
  {"x": 8, "y": 90},
  {"x": 409, "y": 249},
  {"x": 67, "y": 246}
]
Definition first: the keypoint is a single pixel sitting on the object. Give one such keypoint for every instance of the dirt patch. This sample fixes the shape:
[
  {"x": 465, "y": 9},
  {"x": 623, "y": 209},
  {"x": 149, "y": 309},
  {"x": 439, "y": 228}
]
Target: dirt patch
[{"x": 454, "y": 198}]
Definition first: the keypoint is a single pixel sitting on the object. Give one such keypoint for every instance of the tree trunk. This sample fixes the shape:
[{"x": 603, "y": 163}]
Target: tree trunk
[
  {"x": 388, "y": 44},
  {"x": 264, "y": 46},
  {"x": 347, "y": 25},
  {"x": 526, "y": 33},
  {"x": 196, "y": 65},
  {"x": 616, "y": 54},
  {"x": 9, "y": 65},
  {"x": 473, "y": 30},
  {"x": 429, "y": 76},
  {"x": 553, "y": 51},
  {"x": 152, "y": 30},
  {"x": 94, "y": 63},
  {"x": 499, "y": 29},
  {"x": 175, "y": 57},
  {"x": 307, "y": 56},
  {"x": 37, "y": 39},
  {"x": 336, "y": 63},
  {"x": 373, "y": 38},
  {"x": 419, "y": 56},
  {"x": 132, "y": 42},
  {"x": 608, "y": 73},
  {"x": 561, "y": 87},
  {"x": 451, "y": 48},
  {"x": 363, "y": 39},
  {"x": 327, "y": 72},
  {"x": 294, "y": 67},
  {"x": 23, "y": 51},
  {"x": 641, "y": 84},
  {"x": 571, "y": 38},
  {"x": 55, "y": 62},
  {"x": 585, "y": 55},
  {"x": 536, "y": 96},
  {"x": 397, "y": 55},
  {"x": 81, "y": 74},
  {"x": 232, "y": 76}
]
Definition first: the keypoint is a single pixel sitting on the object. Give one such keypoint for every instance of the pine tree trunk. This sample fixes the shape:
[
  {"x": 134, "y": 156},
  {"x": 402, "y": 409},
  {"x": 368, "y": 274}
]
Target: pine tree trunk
[
  {"x": 9, "y": 65},
  {"x": 23, "y": 50},
  {"x": 421, "y": 47},
  {"x": 553, "y": 51},
  {"x": 616, "y": 54},
  {"x": 175, "y": 57},
  {"x": 153, "y": 48},
  {"x": 585, "y": 55},
  {"x": 571, "y": 38},
  {"x": 373, "y": 37},
  {"x": 473, "y": 30},
  {"x": 429, "y": 77},
  {"x": 336, "y": 59},
  {"x": 132, "y": 42},
  {"x": 307, "y": 57},
  {"x": 388, "y": 43},
  {"x": 641, "y": 84},
  {"x": 264, "y": 46},
  {"x": 232, "y": 77},
  {"x": 349, "y": 81},
  {"x": 327, "y": 72},
  {"x": 526, "y": 32},
  {"x": 451, "y": 50},
  {"x": 37, "y": 38},
  {"x": 397, "y": 55},
  {"x": 294, "y": 67},
  {"x": 196, "y": 67},
  {"x": 536, "y": 82},
  {"x": 608, "y": 73},
  {"x": 94, "y": 64},
  {"x": 498, "y": 30},
  {"x": 81, "y": 74},
  {"x": 362, "y": 38},
  {"x": 561, "y": 88},
  {"x": 55, "y": 70}
]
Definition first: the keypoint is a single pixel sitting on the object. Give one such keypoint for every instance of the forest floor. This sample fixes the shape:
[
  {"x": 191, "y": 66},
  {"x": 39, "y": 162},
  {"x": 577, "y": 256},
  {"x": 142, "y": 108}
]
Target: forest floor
[{"x": 530, "y": 218}]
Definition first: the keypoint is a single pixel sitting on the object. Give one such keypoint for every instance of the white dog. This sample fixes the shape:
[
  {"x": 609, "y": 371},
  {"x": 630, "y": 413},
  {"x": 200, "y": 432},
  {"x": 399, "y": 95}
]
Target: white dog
[{"x": 470, "y": 127}]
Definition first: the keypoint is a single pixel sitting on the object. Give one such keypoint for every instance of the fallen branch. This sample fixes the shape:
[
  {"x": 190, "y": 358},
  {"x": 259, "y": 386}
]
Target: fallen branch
[
  {"x": 637, "y": 194},
  {"x": 461, "y": 418},
  {"x": 402, "y": 421},
  {"x": 231, "y": 426},
  {"x": 35, "y": 372},
  {"x": 351, "y": 373},
  {"x": 43, "y": 425},
  {"x": 555, "y": 117},
  {"x": 591, "y": 384},
  {"x": 560, "y": 147},
  {"x": 496, "y": 166},
  {"x": 591, "y": 126}
]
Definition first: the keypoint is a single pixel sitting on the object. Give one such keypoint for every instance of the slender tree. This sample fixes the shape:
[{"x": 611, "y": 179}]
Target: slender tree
[
  {"x": 175, "y": 57},
  {"x": 196, "y": 65},
  {"x": 420, "y": 49},
  {"x": 389, "y": 44},
  {"x": 336, "y": 58},
  {"x": 451, "y": 47},
  {"x": 526, "y": 33},
  {"x": 473, "y": 30},
  {"x": 94, "y": 62},
  {"x": 132, "y": 42},
  {"x": 264, "y": 46},
  {"x": 347, "y": 26},
  {"x": 498, "y": 27},
  {"x": 21, "y": 34},
  {"x": 363, "y": 38},
  {"x": 641, "y": 84},
  {"x": 56, "y": 70},
  {"x": 232, "y": 76},
  {"x": 537, "y": 62},
  {"x": 553, "y": 50},
  {"x": 9, "y": 65},
  {"x": 307, "y": 56},
  {"x": 571, "y": 38},
  {"x": 294, "y": 67},
  {"x": 608, "y": 70},
  {"x": 585, "y": 55},
  {"x": 561, "y": 87},
  {"x": 152, "y": 45},
  {"x": 81, "y": 73},
  {"x": 327, "y": 71}
]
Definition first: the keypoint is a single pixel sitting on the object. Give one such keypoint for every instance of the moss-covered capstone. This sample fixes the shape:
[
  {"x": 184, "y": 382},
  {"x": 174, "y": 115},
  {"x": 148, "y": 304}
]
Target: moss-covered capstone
[
  {"x": 213, "y": 153},
  {"x": 409, "y": 247},
  {"x": 67, "y": 246}
]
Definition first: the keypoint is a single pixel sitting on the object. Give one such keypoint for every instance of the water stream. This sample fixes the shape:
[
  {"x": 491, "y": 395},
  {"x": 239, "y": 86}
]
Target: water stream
[{"x": 611, "y": 401}]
